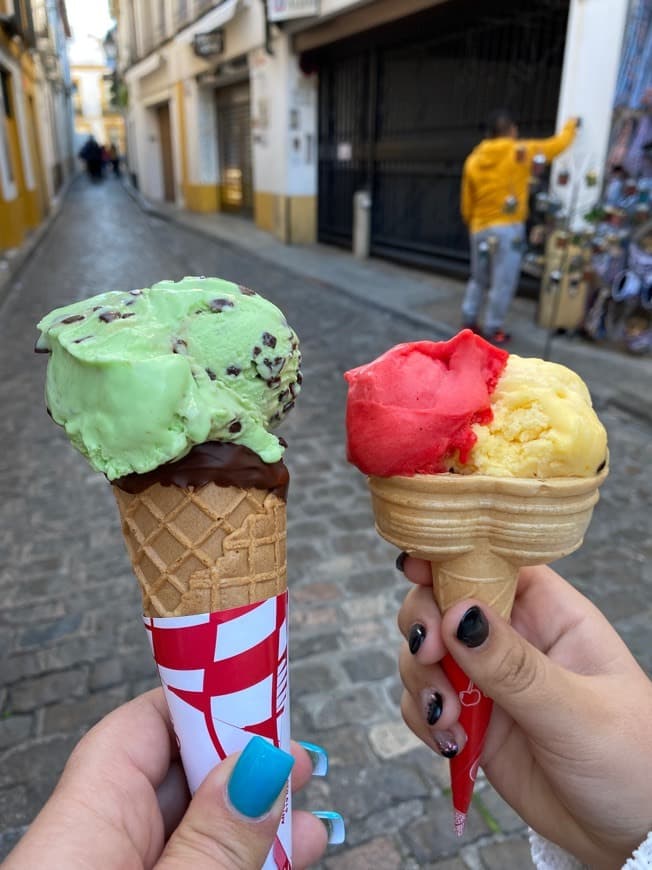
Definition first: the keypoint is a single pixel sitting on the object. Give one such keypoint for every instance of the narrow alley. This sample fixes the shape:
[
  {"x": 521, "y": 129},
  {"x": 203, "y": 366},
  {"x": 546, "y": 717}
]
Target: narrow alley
[{"x": 73, "y": 644}]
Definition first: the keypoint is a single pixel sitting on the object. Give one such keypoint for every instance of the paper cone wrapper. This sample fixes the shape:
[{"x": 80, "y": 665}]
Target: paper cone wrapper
[
  {"x": 211, "y": 564},
  {"x": 477, "y": 532}
]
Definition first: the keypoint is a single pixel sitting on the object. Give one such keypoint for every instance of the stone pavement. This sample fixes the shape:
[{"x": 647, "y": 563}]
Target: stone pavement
[{"x": 73, "y": 646}]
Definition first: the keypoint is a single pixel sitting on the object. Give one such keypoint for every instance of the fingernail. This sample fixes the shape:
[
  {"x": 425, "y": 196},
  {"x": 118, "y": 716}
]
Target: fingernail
[
  {"x": 473, "y": 629},
  {"x": 416, "y": 636},
  {"x": 318, "y": 757},
  {"x": 446, "y": 743},
  {"x": 433, "y": 705},
  {"x": 400, "y": 560},
  {"x": 258, "y": 778},
  {"x": 334, "y": 825}
]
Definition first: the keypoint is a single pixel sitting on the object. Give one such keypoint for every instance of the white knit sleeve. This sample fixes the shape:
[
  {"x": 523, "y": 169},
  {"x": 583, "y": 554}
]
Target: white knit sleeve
[
  {"x": 548, "y": 856},
  {"x": 642, "y": 857}
]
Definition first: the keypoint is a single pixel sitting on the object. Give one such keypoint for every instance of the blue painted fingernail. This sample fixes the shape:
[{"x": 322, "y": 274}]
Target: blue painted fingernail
[
  {"x": 318, "y": 757},
  {"x": 334, "y": 825},
  {"x": 258, "y": 778}
]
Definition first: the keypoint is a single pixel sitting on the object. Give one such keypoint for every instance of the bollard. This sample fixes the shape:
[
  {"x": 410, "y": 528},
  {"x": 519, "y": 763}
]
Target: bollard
[{"x": 361, "y": 224}]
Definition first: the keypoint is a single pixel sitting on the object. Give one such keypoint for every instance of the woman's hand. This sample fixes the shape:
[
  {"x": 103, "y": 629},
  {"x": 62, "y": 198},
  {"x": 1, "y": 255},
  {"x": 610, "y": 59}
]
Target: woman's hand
[
  {"x": 122, "y": 802},
  {"x": 569, "y": 744}
]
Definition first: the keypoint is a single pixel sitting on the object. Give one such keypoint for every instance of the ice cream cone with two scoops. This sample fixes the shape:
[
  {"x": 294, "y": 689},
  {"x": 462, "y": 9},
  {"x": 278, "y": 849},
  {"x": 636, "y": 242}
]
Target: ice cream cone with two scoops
[{"x": 526, "y": 456}]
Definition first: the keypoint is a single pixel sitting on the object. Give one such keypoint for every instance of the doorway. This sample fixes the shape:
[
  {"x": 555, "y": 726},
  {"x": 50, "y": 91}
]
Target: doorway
[
  {"x": 234, "y": 146},
  {"x": 167, "y": 162}
]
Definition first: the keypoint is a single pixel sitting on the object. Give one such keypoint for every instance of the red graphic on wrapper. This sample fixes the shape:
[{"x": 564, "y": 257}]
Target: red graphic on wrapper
[
  {"x": 232, "y": 668},
  {"x": 474, "y": 718}
]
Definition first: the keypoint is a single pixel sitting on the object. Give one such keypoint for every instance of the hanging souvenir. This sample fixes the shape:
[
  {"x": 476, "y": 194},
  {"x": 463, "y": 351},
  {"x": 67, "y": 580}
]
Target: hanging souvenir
[
  {"x": 538, "y": 165},
  {"x": 561, "y": 241},
  {"x": 510, "y": 205},
  {"x": 591, "y": 178},
  {"x": 630, "y": 187},
  {"x": 563, "y": 177}
]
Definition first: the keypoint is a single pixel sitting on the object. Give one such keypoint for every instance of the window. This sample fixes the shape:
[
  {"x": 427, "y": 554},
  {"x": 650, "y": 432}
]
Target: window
[{"x": 7, "y": 176}]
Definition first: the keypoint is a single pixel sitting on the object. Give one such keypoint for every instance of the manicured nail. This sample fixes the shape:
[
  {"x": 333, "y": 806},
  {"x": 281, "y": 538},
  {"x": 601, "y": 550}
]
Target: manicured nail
[
  {"x": 258, "y": 778},
  {"x": 334, "y": 825},
  {"x": 473, "y": 629},
  {"x": 318, "y": 757},
  {"x": 433, "y": 705},
  {"x": 400, "y": 560},
  {"x": 416, "y": 636},
  {"x": 446, "y": 743}
]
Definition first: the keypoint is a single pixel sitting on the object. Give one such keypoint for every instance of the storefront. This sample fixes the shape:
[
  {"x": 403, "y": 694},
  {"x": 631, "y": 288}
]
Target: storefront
[{"x": 402, "y": 104}]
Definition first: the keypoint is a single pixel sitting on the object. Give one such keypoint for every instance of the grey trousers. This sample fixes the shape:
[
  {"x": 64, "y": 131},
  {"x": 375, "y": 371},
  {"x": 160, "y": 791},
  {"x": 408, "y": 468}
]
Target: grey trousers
[{"x": 496, "y": 271}]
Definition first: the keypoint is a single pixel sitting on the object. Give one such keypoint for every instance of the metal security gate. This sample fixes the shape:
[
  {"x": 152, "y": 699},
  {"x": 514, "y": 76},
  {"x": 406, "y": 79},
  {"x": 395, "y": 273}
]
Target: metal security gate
[{"x": 401, "y": 107}]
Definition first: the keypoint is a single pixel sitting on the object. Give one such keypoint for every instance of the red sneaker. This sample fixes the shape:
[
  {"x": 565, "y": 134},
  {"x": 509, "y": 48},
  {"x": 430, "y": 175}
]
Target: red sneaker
[{"x": 499, "y": 337}]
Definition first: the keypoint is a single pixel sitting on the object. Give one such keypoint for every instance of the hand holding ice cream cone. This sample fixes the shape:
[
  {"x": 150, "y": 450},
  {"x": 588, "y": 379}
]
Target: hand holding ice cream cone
[{"x": 480, "y": 463}]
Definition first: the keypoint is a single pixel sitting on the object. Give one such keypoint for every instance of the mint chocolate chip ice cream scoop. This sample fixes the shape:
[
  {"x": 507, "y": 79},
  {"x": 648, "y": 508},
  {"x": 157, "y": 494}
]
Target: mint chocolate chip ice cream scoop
[{"x": 138, "y": 378}]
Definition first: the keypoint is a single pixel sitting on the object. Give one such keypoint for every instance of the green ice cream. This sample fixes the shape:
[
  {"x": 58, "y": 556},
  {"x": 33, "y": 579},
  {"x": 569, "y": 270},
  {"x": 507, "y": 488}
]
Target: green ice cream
[{"x": 138, "y": 378}]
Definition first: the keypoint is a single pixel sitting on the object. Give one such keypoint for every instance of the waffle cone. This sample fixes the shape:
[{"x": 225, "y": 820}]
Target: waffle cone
[
  {"x": 477, "y": 531},
  {"x": 206, "y": 549}
]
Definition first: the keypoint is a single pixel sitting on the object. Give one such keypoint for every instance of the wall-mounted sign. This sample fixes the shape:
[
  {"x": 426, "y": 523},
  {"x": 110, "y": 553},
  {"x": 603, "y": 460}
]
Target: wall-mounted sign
[
  {"x": 208, "y": 44},
  {"x": 283, "y": 10}
]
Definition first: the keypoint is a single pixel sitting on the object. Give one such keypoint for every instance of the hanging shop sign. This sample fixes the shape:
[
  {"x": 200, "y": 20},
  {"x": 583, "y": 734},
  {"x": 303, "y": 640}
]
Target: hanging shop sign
[
  {"x": 208, "y": 44},
  {"x": 283, "y": 10}
]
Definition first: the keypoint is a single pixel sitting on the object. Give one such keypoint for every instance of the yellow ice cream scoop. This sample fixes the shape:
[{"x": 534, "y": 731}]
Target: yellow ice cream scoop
[{"x": 543, "y": 425}]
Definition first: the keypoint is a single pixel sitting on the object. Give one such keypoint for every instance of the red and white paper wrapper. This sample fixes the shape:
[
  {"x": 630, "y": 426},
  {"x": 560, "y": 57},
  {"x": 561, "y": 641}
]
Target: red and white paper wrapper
[
  {"x": 225, "y": 679},
  {"x": 475, "y": 713}
]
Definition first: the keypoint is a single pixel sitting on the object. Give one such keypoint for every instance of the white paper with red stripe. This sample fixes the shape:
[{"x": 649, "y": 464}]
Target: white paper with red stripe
[{"x": 225, "y": 678}]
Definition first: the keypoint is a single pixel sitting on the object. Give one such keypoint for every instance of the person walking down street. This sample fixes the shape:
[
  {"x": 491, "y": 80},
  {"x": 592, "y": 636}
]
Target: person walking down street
[
  {"x": 91, "y": 154},
  {"x": 114, "y": 158},
  {"x": 494, "y": 206}
]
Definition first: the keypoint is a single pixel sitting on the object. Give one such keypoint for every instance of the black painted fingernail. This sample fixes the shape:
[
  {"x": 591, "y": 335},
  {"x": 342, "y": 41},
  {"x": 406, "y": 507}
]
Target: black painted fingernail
[
  {"x": 434, "y": 706},
  {"x": 446, "y": 743},
  {"x": 400, "y": 560},
  {"x": 416, "y": 637},
  {"x": 473, "y": 629}
]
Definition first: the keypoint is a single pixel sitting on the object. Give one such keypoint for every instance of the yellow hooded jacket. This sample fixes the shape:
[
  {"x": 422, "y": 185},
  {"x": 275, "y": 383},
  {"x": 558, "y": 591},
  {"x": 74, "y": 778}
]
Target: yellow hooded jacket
[{"x": 499, "y": 168}]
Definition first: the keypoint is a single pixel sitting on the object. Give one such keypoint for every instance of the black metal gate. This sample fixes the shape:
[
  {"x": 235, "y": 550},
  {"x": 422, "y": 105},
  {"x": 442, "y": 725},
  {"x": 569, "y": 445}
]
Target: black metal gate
[{"x": 402, "y": 106}]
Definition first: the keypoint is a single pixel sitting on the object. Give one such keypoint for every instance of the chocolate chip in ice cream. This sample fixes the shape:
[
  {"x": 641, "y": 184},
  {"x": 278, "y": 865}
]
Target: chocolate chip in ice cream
[
  {"x": 218, "y": 305},
  {"x": 74, "y": 318},
  {"x": 233, "y": 370}
]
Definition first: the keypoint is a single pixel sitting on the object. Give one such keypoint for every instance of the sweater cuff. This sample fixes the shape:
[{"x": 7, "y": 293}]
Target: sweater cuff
[
  {"x": 642, "y": 857},
  {"x": 548, "y": 856}
]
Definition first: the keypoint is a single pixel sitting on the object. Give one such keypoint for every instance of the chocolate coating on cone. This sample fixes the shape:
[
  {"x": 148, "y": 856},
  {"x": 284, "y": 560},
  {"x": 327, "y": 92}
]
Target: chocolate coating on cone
[{"x": 218, "y": 462}]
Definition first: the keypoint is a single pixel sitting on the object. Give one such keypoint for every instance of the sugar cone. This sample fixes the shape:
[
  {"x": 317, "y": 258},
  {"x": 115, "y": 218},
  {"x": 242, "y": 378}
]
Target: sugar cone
[
  {"x": 211, "y": 565},
  {"x": 204, "y": 550},
  {"x": 477, "y": 532}
]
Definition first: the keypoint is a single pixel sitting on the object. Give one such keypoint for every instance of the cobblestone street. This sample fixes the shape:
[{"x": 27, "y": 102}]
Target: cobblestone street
[{"x": 73, "y": 645}]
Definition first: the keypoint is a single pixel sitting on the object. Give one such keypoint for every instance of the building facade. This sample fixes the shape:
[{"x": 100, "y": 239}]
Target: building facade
[
  {"x": 36, "y": 146},
  {"x": 95, "y": 106},
  {"x": 281, "y": 110}
]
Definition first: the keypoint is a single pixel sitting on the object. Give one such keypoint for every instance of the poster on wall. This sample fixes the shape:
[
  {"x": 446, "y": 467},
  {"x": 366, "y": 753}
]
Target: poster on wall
[{"x": 283, "y": 10}]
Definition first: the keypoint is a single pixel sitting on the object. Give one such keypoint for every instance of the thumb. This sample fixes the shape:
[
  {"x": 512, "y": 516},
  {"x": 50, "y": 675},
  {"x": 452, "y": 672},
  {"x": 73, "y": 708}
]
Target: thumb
[
  {"x": 537, "y": 693},
  {"x": 232, "y": 820}
]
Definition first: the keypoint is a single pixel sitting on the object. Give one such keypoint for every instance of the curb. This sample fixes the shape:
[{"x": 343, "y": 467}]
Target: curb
[{"x": 435, "y": 328}]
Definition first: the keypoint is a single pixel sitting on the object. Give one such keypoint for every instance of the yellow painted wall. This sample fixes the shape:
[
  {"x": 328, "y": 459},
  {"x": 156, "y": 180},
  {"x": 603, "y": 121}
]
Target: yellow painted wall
[
  {"x": 28, "y": 208},
  {"x": 202, "y": 197},
  {"x": 292, "y": 219}
]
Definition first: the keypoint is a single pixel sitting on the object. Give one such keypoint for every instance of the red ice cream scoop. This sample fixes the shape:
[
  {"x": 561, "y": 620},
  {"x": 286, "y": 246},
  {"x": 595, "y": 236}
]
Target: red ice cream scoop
[{"x": 409, "y": 411}]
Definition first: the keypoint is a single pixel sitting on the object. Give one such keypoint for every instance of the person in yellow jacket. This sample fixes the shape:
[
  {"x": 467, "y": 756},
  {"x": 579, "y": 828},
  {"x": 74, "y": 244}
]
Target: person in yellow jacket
[{"x": 494, "y": 206}]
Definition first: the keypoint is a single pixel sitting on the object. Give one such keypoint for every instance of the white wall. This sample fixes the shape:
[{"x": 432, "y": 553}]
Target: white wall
[
  {"x": 591, "y": 60},
  {"x": 284, "y": 122}
]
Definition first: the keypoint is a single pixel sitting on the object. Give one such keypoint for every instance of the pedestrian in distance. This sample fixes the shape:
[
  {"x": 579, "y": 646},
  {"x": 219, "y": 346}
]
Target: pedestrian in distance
[
  {"x": 569, "y": 744},
  {"x": 91, "y": 154},
  {"x": 494, "y": 206},
  {"x": 114, "y": 159}
]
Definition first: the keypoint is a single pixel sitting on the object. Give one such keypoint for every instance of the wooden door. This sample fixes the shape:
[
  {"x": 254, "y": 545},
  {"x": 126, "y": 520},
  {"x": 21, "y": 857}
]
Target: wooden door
[{"x": 167, "y": 162}]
